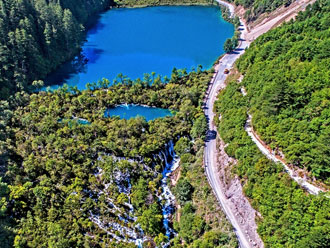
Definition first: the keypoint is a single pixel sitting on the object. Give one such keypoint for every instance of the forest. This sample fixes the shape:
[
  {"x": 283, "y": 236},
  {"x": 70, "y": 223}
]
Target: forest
[
  {"x": 97, "y": 183},
  {"x": 36, "y": 36},
  {"x": 286, "y": 75}
]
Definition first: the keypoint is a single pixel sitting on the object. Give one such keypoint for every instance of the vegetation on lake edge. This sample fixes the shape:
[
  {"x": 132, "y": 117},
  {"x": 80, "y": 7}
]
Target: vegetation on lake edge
[
  {"x": 145, "y": 3},
  {"x": 37, "y": 36},
  {"x": 254, "y": 7},
  {"x": 41, "y": 35}
]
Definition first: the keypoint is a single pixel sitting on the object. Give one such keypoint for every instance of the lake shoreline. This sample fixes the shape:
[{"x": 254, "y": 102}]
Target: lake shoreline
[
  {"x": 128, "y": 111},
  {"x": 162, "y": 5},
  {"x": 200, "y": 43},
  {"x": 223, "y": 7},
  {"x": 135, "y": 6}
]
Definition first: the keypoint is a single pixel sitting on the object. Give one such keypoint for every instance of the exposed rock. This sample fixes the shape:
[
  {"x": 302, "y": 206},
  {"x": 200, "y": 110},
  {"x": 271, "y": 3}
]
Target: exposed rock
[{"x": 234, "y": 192}]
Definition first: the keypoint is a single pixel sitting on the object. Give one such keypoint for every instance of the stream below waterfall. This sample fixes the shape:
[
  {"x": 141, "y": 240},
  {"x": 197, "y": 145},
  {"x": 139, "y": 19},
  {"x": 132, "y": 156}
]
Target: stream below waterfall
[{"x": 172, "y": 162}]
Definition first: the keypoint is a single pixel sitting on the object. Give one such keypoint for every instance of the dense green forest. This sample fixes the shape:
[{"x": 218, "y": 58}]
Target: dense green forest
[
  {"x": 37, "y": 35},
  {"x": 286, "y": 75},
  {"x": 67, "y": 183},
  {"x": 202, "y": 222}
]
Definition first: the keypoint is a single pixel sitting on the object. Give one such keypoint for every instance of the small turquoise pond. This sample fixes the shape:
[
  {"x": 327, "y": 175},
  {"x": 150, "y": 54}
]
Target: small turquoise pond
[
  {"x": 145, "y": 40},
  {"x": 78, "y": 120},
  {"x": 131, "y": 111}
]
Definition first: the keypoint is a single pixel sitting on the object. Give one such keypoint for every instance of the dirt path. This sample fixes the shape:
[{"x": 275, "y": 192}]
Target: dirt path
[{"x": 312, "y": 189}]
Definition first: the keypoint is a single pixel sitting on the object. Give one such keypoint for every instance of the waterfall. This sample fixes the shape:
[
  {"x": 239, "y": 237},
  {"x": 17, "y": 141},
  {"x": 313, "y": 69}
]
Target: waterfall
[
  {"x": 171, "y": 163},
  {"x": 122, "y": 180},
  {"x": 139, "y": 243}
]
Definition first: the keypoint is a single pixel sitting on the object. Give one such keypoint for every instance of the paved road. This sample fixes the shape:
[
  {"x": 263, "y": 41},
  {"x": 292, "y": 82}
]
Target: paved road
[
  {"x": 228, "y": 5},
  {"x": 210, "y": 147}
]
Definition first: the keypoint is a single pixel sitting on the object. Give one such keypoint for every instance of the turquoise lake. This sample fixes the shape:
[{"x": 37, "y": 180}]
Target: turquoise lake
[
  {"x": 143, "y": 40},
  {"x": 132, "y": 110}
]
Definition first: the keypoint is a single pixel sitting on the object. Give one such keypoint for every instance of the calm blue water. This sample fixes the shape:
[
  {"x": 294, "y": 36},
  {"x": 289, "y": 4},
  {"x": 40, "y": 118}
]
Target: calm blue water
[
  {"x": 131, "y": 110},
  {"x": 79, "y": 121},
  {"x": 143, "y": 40}
]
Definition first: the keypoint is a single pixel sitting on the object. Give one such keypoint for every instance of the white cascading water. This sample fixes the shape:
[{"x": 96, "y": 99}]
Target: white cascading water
[{"x": 171, "y": 163}]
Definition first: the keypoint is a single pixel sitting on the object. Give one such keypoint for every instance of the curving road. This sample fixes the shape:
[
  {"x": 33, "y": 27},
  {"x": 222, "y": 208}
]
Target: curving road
[
  {"x": 227, "y": 5},
  {"x": 217, "y": 84}
]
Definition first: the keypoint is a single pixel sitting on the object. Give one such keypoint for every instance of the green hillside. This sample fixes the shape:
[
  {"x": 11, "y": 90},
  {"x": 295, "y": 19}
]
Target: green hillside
[
  {"x": 62, "y": 178},
  {"x": 286, "y": 75}
]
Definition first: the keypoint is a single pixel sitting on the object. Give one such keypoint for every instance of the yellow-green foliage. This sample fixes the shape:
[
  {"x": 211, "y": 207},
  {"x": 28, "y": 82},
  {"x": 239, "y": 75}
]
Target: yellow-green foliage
[{"x": 53, "y": 159}]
